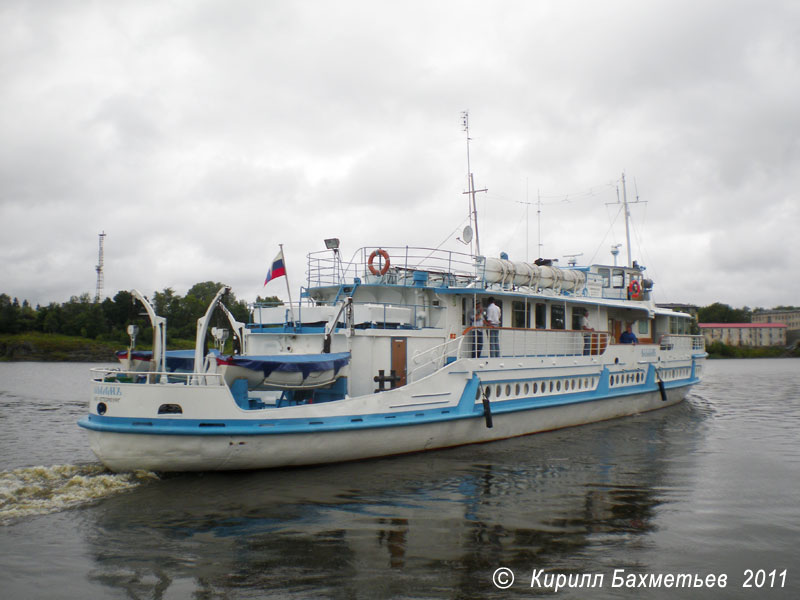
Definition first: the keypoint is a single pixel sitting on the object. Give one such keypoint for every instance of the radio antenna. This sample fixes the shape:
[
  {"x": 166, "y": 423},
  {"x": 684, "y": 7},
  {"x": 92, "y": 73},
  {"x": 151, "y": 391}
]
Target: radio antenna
[
  {"x": 473, "y": 208},
  {"x": 98, "y": 295}
]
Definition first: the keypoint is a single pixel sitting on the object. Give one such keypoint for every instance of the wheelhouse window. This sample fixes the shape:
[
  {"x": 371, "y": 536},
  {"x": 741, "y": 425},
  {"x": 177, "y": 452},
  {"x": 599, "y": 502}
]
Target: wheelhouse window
[
  {"x": 606, "y": 275},
  {"x": 618, "y": 278}
]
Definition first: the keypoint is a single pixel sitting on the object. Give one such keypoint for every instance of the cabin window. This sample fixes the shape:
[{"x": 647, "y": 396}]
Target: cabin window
[
  {"x": 541, "y": 316},
  {"x": 577, "y": 313},
  {"x": 678, "y": 325},
  {"x": 644, "y": 328},
  {"x": 606, "y": 275},
  {"x": 618, "y": 278},
  {"x": 557, "y": 317},
  {"x": 520, "y": 314}
]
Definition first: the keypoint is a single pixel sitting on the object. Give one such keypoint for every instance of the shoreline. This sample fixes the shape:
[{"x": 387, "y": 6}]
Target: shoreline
[{"x": 46, "y": 347}]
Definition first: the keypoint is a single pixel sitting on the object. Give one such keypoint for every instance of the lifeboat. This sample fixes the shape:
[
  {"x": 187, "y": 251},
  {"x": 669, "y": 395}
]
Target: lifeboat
[{"x": 284, "y": 371}]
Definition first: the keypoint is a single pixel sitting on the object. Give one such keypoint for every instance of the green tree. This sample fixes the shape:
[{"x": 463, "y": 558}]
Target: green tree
[{"x": 723, "y": 313}]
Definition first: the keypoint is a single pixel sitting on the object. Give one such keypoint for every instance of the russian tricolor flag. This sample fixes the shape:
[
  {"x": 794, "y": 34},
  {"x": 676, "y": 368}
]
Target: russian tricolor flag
[{"x": 278, "y": 269}]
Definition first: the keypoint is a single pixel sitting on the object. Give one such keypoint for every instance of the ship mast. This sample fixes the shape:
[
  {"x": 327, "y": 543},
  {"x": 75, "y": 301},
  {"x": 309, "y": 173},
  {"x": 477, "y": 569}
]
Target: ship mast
[
  {"x": 473, "y": 208},
  {"x": 627, "y": 219}
]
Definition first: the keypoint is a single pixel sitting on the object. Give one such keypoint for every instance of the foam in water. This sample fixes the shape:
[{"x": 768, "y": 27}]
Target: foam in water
[{"x": 40, "y": 490}]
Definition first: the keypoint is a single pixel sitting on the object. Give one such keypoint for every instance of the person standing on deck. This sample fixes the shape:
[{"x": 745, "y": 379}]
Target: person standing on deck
[
  {"x": 493, "y": 320},
  {"x": 475, "y": 319}
]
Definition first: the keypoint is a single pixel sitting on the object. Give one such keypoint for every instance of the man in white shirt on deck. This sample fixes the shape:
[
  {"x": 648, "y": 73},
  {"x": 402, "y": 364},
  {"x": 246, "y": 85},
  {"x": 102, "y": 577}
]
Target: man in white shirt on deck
[{"x": 493, "y": 320}]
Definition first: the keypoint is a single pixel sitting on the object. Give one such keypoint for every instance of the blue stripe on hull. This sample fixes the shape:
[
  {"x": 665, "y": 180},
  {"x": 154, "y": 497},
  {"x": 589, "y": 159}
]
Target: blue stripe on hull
[{"x": 465, "y": 409}]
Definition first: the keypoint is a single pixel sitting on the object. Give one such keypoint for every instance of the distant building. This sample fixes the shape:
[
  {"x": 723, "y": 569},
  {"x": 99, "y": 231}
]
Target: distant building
[
  {"x": 791, "y": 318},
  {"x": 745, "y": 334}
]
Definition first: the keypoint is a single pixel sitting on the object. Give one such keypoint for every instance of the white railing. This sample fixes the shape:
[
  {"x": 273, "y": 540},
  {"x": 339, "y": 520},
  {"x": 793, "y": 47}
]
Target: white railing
[
  {"x": 113, "y": 376},
  {"x": 683, "y": 342},
  {"x": 435, "y": 358},
  {"x": 510, "y": 343},
  {"x": 443, "y": 267},
  {"x": 481, "y": 342}
]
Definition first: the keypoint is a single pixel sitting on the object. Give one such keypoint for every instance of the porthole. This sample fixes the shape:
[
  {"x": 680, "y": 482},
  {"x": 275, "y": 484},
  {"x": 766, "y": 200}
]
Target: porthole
[
  {"x": 526, "y": 388},
  {"x": 580, "y": 381},
  {"x": 516, "y": 390},
  {"x": 558, "y": 385},
  {"x": 488, "y": 391},
  {"x": 535, "y": 388},
  {"x": 508, "y": 390},
  {"x": 498, "y": 391},
  {"x": 551, "y": 385},
  {"x": 478, "y": 393}
]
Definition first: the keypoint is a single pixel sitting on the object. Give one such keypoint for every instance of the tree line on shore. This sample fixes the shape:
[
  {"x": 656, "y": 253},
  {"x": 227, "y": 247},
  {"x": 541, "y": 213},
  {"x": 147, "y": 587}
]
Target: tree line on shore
[
  {"x": 108, "y": 320},
  {"x": 724, "y": 313}
]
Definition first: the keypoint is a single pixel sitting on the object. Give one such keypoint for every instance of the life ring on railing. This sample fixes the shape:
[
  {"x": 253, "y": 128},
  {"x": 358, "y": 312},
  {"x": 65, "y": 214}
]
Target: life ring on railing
[
  {"x": 635, "y": 290},
  {"x": 384, "y": 268}
]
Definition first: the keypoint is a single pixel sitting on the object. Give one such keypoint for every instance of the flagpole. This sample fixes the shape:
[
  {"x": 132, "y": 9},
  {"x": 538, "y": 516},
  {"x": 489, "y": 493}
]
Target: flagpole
[{"x": 288, "y": 287}]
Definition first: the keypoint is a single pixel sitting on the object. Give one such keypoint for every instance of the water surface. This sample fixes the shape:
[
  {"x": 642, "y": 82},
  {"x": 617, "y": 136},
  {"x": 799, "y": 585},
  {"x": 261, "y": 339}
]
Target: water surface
[{"x": 710, "y": 486}]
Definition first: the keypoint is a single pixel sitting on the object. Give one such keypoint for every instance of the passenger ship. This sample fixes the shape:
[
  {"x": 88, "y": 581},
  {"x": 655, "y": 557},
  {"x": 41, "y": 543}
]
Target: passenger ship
[{"x": 379, "y": 358}]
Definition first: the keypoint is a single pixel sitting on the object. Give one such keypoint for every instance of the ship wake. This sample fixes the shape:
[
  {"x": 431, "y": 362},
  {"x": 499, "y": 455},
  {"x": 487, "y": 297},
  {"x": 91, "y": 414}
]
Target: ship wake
[{"x": 40, "y": 490}]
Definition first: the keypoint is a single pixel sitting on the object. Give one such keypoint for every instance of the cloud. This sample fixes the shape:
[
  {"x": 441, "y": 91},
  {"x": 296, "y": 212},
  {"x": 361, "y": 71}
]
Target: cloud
[{"x": 201, "y": 135}]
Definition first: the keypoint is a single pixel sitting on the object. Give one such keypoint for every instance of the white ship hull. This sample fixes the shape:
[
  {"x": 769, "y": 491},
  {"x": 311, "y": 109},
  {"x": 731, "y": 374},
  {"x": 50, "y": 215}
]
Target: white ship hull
[
  {"x": 394, "y": 365},
  {"x": 125, "y": 452}
]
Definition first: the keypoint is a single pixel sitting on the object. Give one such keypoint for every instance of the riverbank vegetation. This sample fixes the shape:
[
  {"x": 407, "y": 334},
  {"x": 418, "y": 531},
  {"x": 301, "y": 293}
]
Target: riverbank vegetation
[
  {"x": 724, "y": 313},
  {"x": 84, "y": 330},
  {"x": 720, "y": 350}
]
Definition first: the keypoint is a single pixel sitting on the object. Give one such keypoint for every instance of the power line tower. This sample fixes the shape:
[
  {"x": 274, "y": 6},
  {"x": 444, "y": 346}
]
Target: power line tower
[{"x": 98, "y": 295}]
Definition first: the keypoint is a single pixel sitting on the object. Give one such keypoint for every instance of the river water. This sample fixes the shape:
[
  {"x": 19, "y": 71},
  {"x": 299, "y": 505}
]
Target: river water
[{"x": 708, "y": 487}]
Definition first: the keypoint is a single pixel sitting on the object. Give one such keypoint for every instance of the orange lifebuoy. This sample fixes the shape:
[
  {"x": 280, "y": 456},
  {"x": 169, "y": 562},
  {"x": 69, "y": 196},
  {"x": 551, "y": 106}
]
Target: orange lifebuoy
[
  {"x": 384, "y": 268},
  {"x": 635, "y": 290}
]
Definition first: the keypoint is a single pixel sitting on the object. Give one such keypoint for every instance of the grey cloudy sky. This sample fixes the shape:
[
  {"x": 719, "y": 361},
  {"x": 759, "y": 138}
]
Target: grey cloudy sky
[{"x": 200, "y": 135}]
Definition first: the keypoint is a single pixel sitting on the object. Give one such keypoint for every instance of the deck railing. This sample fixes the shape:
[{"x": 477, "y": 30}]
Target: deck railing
[
  {"x": 112, "y": 376},
  {"x": 512, "y": 342},
  {"x": 433, "y": 359},
  {"x": 443, "y": 267},
  {"x": 683, "y": 342}
]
